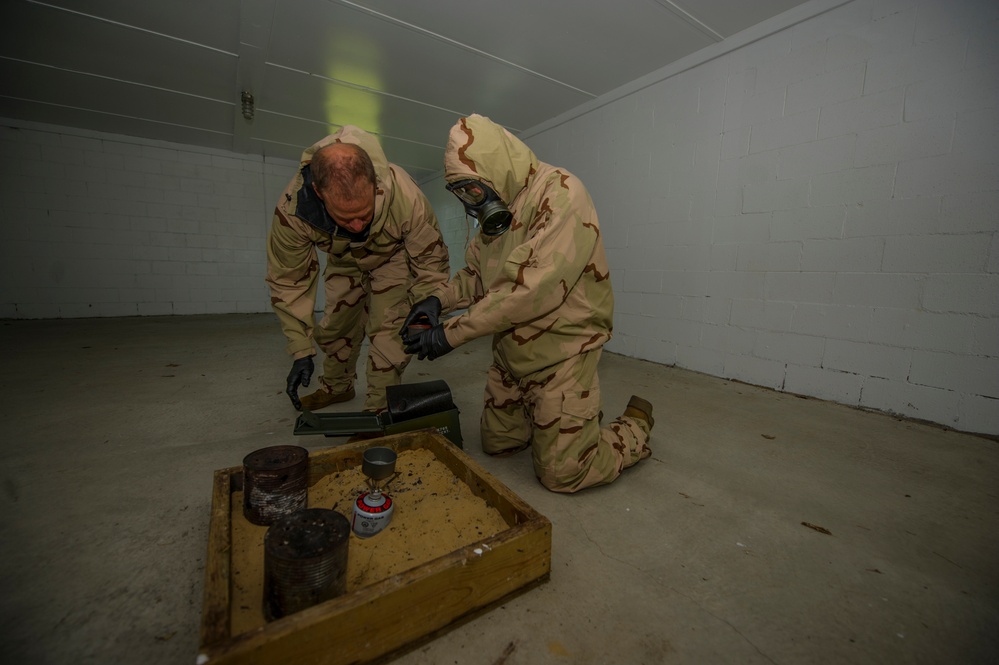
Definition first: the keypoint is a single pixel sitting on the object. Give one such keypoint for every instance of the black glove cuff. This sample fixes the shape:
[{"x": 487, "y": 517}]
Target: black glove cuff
[{"x": 438, "y": 342}]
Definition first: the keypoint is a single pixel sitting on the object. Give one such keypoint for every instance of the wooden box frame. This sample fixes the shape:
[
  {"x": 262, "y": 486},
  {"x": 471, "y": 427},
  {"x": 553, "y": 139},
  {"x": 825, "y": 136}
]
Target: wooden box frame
[{"x": 383, "y": 619}]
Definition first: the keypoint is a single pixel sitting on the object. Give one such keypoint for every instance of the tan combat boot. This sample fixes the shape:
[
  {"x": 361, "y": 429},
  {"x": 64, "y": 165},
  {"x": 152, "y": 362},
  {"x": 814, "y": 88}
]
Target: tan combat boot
[
  {"x": 640, "y": 409},
  {"x": 322, "y": 398}
]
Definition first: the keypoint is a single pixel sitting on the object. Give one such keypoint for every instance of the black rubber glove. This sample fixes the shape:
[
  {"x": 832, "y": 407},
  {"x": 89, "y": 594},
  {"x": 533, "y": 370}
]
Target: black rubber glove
[
  {"x": 300, "y": 375},
  {"x": 427, "y": 310},
  {"x": 431, "y": 344}
]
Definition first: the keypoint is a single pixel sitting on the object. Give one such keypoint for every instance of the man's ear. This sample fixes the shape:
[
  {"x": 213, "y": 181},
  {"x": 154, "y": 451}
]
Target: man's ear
[{"x": 319, "y": 194}]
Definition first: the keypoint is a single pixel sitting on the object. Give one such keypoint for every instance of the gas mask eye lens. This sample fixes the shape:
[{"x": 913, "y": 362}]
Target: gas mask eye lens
[
  {"x": 482, "y": 203},
  {"x": 469, "y": 191}
]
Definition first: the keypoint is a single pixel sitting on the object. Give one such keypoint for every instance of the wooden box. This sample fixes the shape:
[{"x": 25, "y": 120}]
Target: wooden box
[{"x": 387, "y": 617}]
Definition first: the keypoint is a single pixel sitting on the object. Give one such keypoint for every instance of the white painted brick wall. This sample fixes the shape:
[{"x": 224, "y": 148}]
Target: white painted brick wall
[
  {"x": 787, "y": 347},
  {"x": 821, "y": 156},
  {"x": 784, "y": 131},
  {"x": 700, "y": 359},
  {"x": 967, "y": 90},
  {"x": 834, "y": 230},
  {"x": 755, "y": 370},
  {"x": 985, "y": 337},
  {"x": 926, "y": 403},
  {"x": 105, "y": 225},
  {"x": 902, "y": 142},
  {"x": 968, "y": 374},
  {"x": 826, "y": 384},
  {"x": 852, "y": 186},
  {"x": 862, "y": 358},
  {"x": 919, "y": 329},
  {"x": 728, "y": 339},
  {"x": 871, "y": 111},
  {"x": 846, "y": 322},
  {"x": 842, "y": 254},
  {"x": 878, "y": 289},
  {"x": 932, "y": 253},
  {"x": 829, "y": 87},
  {"x": 714, "y": 310},
  {"x": 977, "y": 413},
  {"x": 762, "y": 314},
  {"x": 654, "y": 350},
  {"x": 775, "y": 195},
  {"x": 805, "y": 223},
  {"x": 888, "y": 217}
]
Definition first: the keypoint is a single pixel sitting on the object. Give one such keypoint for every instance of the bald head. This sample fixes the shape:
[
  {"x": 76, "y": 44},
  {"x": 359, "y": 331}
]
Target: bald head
[
  {"x": 343, "y": 170},
  {"x": 344, "y": 179}
]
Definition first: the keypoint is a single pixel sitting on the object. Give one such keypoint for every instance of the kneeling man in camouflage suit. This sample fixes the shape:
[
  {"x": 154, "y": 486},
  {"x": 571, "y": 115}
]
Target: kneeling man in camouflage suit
[
  {"x": 384, "y": 252},
  {"x": 537, "y": 280}
]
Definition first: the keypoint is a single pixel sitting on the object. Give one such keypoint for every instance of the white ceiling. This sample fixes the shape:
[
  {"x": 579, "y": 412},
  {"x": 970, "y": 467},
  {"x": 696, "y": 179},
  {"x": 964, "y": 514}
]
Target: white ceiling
[{"x": 173, "y": 70}]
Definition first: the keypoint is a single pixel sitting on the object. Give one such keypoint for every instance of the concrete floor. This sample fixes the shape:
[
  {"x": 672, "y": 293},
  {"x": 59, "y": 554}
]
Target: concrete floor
[{"x": 112, "y": 428}]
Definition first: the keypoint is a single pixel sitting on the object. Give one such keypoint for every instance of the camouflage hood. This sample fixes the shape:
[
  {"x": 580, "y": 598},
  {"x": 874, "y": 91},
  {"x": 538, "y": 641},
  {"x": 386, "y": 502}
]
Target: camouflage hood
[
  {"x": 479, "y": 148},
  {"x": 307, "y": 205}
]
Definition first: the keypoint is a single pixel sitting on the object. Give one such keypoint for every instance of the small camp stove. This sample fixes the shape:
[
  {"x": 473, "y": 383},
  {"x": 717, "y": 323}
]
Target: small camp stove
[{"x": 373, "y": 509}]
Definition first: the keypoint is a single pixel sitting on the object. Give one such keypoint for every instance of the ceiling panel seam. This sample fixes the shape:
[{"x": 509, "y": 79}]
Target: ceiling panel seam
[
  {"x": 690, "y": 19},
  {"x": 116, "y": 115},
  {"x": 117, "y": 80},
  {"x": 131, "y": 27},
  {"x": 333, "y": 124},
  {"x": 373, "y": 91},
  {"x": 460, "y": 45}
]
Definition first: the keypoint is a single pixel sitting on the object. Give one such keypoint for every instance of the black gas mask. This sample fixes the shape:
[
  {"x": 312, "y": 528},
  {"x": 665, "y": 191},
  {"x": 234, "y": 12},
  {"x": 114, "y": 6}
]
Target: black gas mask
[{"x": 482, "y": 203}]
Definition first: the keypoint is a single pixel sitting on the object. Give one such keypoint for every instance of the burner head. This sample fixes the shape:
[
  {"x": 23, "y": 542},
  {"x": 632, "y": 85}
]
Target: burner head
[{"x": 378, "y": 463}]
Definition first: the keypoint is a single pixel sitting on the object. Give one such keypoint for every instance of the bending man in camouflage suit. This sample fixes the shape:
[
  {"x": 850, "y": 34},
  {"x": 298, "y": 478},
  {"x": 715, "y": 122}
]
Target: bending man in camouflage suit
[
  {"x": 536, "y": 279},
  {"x": 384, "y": 252}
]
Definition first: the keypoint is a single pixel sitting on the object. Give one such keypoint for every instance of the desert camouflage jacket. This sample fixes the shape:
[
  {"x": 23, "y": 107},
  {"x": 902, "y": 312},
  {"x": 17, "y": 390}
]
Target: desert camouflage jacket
[
  {"x": 403, "y": 222},
  {"x": 542, "y": 288}
]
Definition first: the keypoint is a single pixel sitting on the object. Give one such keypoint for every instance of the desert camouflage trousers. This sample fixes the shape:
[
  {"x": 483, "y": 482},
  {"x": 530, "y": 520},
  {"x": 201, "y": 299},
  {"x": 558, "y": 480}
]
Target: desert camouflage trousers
[
  {"x": 555, "y": 412},
  {"x": 357, "y": 304}
]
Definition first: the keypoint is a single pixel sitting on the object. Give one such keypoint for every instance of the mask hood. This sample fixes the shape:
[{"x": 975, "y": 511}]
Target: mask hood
[{"x": 479, "y": 149}]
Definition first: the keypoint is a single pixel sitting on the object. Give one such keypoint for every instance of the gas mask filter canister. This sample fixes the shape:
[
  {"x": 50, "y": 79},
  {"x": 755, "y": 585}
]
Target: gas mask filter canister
[{"x": 484, "y": 204}]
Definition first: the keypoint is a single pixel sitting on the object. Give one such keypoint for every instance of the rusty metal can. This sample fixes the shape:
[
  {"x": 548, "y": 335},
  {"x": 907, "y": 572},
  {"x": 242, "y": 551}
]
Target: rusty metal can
[
  {"x": 275, "y": 483},
  {"x": 305, "y": 561}
]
